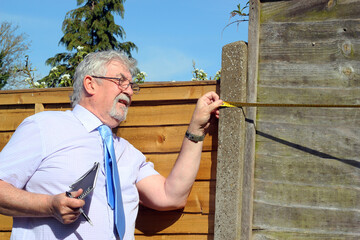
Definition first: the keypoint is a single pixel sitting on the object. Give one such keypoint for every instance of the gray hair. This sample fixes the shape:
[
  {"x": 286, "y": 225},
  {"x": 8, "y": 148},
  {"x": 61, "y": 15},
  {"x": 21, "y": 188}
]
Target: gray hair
[{"x": 95, "y": 63}]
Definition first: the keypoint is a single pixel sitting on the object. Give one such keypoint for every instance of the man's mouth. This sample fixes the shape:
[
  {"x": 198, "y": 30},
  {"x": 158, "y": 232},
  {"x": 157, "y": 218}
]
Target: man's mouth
[
  {"x": 123, "y": 99},
  {"x": 124, "y": 102}
]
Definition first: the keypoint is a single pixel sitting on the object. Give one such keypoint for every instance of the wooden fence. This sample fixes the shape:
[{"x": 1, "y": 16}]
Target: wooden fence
[
  {"x": 156, "y": 123},
  {"x": 306, "y": 175},
  {"x": 299, "y": 172}
]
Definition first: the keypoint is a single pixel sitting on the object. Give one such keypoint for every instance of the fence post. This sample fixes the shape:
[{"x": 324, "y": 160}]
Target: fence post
[
  {"x": 230, "y": 160},
  {"x": 39, "y": 107}
]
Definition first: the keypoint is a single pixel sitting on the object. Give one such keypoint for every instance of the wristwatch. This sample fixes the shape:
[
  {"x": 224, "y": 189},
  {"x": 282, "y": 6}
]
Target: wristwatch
[{"x": 193, "y": 137}]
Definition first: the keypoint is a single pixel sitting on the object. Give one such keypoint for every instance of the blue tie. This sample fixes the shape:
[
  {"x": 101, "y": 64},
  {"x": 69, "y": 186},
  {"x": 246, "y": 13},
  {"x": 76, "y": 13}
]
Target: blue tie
[{"x": 112, "y": 180}]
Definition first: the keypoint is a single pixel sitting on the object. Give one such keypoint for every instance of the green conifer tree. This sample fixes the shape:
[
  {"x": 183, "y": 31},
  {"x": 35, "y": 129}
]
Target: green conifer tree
[{"x": 89, "y": 28}]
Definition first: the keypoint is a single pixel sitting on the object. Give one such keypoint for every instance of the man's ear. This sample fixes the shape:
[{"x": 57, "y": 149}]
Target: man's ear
[{"x": 90, "y": 85}]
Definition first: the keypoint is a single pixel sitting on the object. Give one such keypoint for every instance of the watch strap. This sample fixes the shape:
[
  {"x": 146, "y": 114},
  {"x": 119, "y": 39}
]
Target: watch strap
[{"x": 193, "y": 137}]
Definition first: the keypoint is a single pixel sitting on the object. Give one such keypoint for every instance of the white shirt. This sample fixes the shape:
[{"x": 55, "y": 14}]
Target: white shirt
[{"x": 51, "y": 150}]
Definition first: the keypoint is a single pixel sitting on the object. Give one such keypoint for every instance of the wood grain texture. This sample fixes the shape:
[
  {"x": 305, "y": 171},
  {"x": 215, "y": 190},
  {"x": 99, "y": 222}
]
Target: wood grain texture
[
  {"x": 5, "y": 235},
  {"x": 5, "y": 223},
  {"x": 10, "y": 119},
  {"x": 306, "y": 218},
  {"x": 308, "y": 10},
  {"x": 162, "y": 138},
  {"x": 150, "y": 222},
  {"x": 307, "y": 167},
  {"x": 163, "y": 113},
  {"x": 176, "y": 237},
  {"x": 165, "y": 161},
  {"x": 260, "y": 234},
  {"x": 149, "y": 91}
]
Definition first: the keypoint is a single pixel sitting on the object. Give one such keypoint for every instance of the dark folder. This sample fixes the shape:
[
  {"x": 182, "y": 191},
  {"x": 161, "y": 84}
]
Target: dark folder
[{"x": 87, "y": 181}]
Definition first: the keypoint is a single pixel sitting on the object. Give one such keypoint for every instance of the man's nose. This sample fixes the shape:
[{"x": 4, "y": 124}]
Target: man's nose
[{"x": 129, "y": 91}]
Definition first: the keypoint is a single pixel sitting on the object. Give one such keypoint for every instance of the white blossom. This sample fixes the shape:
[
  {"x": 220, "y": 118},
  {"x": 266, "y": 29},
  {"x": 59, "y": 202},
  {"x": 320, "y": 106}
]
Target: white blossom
[{"x": 65, "y": 76}]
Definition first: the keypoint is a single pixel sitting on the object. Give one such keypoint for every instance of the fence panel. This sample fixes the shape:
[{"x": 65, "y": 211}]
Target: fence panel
[{"x": 156, "y": 124}]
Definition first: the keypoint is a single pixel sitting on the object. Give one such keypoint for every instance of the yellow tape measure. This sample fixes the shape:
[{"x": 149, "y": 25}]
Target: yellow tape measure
[{"x": 243, "y": 104}]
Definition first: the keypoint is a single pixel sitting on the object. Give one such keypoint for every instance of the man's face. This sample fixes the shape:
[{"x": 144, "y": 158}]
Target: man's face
[{"x": 112, "y": 100}]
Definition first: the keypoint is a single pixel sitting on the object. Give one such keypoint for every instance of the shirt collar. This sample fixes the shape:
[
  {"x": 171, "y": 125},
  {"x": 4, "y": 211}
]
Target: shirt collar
[{"x": 87, "y": 118}]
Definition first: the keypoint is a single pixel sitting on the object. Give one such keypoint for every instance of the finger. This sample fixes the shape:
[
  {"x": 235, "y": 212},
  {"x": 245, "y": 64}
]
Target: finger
[
  {"x": 208, "y": 97},
  {"x": 215, "y": 105},
  {"x": 77, "y": 193},
  {"x": 75, "y": 203},
  {"x": 70, "y": 218}
]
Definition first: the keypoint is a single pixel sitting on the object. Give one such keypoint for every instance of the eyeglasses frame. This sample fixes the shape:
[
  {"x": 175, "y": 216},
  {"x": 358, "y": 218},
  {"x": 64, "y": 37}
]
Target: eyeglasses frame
[{"x": 134, "y": 86}]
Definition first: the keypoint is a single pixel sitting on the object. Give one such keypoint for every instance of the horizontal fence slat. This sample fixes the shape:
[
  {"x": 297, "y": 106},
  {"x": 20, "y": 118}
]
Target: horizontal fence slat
[
  {"x": 175, "y": 237},
  {"x": 305, "y": 218},
  {"x": 202, "y": 198},
  {"x": 176, "y": 91},
  {"x": 297, "y": 168},
  {"x": 336, "y": 117},
  {"x": 4, "y": 138},
  {"x": 173, "y": 114},
  {"x": 150, "y": 139},
  {"x": 308, "y": 10},
  {"x": 308, "y": 31},
  {"x": 33, "y": 96},
  {"x": 11, "y": 119},
  {"x": 309, "y": 139},
  {"x": 164, "y": 163},
  {"x": 163, "y": 138},
  {"x": 150, "y": 222},
  {"x": 5, "y": 235},
  {"x": 264, "y": 234},
  {"x": 306, "y": 95},
  {"x": 5, "y": 223},
  {"x": 148, "y": 92},
  {"x": 311, "y": 195}
]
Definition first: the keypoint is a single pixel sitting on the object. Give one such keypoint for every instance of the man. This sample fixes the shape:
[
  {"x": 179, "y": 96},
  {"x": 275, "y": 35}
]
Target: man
[{"x": 50, "y": 150}]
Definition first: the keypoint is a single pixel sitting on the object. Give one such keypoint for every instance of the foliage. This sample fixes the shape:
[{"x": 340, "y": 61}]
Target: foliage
[
  {"x": 89, "y": 28},
  {"x": 26, "y": 71},
  {"x": 13, "y": 46},
  {"x": 63, "y": 68},
  {"x": 140, "y": 77},
  {"x": 198, "y": 74},
  {"x": 240, "y": 13},
  {"x": 201, "y": 75},
  {"x": 217, "y": 75},
  {"x": 4, "y": 75}
]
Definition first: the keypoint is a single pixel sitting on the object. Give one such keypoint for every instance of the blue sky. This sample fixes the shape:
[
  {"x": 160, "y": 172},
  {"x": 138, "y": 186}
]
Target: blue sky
[{"x": 170, "y": 35}]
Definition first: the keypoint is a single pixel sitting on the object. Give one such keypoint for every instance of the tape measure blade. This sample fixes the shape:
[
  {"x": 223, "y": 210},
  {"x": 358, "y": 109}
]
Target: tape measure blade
[{"x": 228, "y": 104}]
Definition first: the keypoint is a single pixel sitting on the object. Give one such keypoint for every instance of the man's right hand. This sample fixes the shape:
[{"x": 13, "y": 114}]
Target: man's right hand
[{"x": 65, "y": 209}]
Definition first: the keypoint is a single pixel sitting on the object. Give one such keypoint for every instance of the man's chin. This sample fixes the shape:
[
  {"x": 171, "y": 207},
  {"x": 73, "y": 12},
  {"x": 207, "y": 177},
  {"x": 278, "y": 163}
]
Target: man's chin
[{"x": 119, "y": 115}]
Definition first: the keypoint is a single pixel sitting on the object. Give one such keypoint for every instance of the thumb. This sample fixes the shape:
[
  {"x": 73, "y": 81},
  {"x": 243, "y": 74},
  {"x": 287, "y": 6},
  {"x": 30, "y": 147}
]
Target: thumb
[
  {"x": 77, "y": 193},
  {"x": 215, "y": 105},
  {"x": 78, "y": 202}
]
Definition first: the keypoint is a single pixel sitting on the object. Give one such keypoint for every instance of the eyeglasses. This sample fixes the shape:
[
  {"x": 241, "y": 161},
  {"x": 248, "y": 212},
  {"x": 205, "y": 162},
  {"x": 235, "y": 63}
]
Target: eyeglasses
[{"x": 122, "y": 82}]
